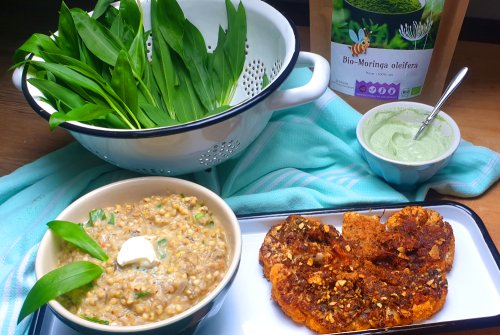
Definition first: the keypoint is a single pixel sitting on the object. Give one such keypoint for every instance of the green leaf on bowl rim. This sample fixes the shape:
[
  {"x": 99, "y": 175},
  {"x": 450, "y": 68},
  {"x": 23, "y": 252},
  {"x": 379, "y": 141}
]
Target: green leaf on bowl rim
[
  {"x": 76, "y": 235},
  {"x": 58, "y": 282}
]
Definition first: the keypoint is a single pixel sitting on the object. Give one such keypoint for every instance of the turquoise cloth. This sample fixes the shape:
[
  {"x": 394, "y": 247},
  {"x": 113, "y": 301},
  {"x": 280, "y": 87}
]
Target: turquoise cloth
[{"x": 307, "y": 157}]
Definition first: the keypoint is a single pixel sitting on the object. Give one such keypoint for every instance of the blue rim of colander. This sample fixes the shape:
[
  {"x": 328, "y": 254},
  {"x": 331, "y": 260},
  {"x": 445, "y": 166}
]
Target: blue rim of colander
[{"x": 181, "y": 128}]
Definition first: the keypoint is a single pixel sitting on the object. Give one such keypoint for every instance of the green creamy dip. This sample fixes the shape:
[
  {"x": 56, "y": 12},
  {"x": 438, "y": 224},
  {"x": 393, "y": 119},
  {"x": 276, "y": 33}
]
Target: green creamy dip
[{"x": 390, "y": 134}]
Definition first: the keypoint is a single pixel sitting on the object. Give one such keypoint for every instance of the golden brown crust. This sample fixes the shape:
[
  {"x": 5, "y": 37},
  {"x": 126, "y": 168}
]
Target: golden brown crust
[
  {"x": 358, "y": 282},
  {"x": 299, "y": 240}
]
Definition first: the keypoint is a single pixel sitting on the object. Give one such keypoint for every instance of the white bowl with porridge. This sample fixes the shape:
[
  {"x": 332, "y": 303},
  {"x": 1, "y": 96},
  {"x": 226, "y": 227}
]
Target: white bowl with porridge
[{"x": 173, "y": 251}]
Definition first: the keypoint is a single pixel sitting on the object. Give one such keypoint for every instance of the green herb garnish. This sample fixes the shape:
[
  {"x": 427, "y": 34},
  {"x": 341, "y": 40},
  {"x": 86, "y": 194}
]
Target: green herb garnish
[
  {"x": 58, "y": 282},
  {"x": 97, "y": 69},
  {"x": 76, "y": 235},
  {"x": 93, "y": 319},
  {"x": 111, "y": 219},
  {"x": 199, "y": 216},
  {"x": 95, "y": 215},
  {"x": 162, "y": 248},
  {"x": 144, "y": 294}
]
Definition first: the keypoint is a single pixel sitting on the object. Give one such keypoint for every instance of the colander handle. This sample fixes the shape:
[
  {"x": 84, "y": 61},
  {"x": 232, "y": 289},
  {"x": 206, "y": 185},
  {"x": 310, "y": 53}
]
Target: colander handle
[
  {"x": 17, "y": 77},
  {"x": 316, "y": 86}
]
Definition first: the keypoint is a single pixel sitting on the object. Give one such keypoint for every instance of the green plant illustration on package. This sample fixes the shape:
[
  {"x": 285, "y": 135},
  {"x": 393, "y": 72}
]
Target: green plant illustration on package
[{"x": 381, "y": 49}]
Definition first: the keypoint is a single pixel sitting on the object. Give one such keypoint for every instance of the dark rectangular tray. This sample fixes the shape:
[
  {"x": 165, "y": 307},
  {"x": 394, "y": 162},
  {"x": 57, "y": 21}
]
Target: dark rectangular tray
[{"x": 473, "y": 300}]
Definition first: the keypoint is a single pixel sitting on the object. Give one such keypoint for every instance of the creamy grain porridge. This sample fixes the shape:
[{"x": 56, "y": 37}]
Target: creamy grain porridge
[{"x": 191, "y": 259}]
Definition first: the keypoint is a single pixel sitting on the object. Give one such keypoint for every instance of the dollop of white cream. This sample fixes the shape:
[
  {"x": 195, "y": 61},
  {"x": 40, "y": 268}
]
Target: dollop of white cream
[{"x": 138, "y": 250}]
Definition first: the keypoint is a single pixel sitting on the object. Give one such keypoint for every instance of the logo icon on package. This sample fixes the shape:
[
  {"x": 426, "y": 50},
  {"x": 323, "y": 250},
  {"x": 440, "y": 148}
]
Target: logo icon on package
[{"x": 382, "y": 91}]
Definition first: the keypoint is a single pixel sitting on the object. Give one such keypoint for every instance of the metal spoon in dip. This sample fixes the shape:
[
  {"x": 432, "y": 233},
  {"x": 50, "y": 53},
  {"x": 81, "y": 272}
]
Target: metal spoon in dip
[{"x": 455, "y": 82}]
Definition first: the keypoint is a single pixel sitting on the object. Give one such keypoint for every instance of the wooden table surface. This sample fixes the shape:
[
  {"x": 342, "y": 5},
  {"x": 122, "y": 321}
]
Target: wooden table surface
[{"x": 25, "y": 136}]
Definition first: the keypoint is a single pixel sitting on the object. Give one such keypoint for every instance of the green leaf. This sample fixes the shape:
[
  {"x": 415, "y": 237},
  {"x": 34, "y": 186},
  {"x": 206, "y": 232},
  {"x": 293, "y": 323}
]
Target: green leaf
[
  {"x": 35, "y": 44},
  {"x": 142, "y": 294},
  {"x": 123, "y": 82},
  {"x": 161, "y": 247},
  {"x": 112, "y": 121},
  {"x": 188, "y": 106},
  {"x": 67, "y": 36},
  {"x": 221, "y": 71},
  {"x": 96, "y": 215},
  {"x": 137, "y": 53},
  {"x": 100, "y": 41},
  {"x": 58, "y": 282},
  {"x": 100, "y": 8},
  {"x": 70, "y": 76},
  {"x": 76, "y": 235},
  {"x": 109, "y": 16},
  {"x": 80, "y": 82},
  {"x": 131, "y": 14},
  {"x": 218, "y": 110},
  {"x": 265, "y": 80},
  {"x": 158, "y": 116},
  {"x": 51, "y": 89},
  {"x": 93, "y": 319},
  {"x": 144, "y": 119},
  {"x": 83, "y": 68},
  {"x": 169, "y": 18},
  {"x": 111, "y": 219},
  {"x": 85, "y": 56},
  {"x": 150, "y": 83},
  {"x": 162, "y": 67},
  {"x": 235, "y": 42},
  {"x": 195, "y": 58},
  {"x": 122, "y": 31}
]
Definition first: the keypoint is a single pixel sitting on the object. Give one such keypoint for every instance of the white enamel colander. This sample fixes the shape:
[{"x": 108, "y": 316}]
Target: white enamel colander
[{"x": 272, "y": 48}]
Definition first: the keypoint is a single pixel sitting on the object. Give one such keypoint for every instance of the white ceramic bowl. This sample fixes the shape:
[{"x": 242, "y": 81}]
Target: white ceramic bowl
[
  {"x": 134, "y": 190},
  {"x": 408, "y": 174}
]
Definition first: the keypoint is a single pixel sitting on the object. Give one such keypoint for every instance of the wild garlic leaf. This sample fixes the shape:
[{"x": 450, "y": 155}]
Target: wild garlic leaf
[
  {"x": 195, "y": 58},
  {"x": 220, "y": 69},
  {"x": 35, "y": 44},
  {"x": 123, "y": 82},
  {"x": 70, "y": 76},
  {"x": 83, "y": 68},
  {"x": 52, "y": 89},
  {"x": 67, "y": 36},
  {"x": 169, "y": 18},
  {"x": 131, "y": 14},
  {"x": 137, "y": 54},
  {"x": 162, "y": 67},
  {"x": 100, "y": 8},
  {"x": 85, "y": 113},
  {"x": 158, "y": 116},
  {"x": 76, "y": 235},
  {"x": 97, "y": 38},
  {"x": 122, "y": 31},
  {"x": 58, "y": 282},
  {"x": 235, "y": 43}
]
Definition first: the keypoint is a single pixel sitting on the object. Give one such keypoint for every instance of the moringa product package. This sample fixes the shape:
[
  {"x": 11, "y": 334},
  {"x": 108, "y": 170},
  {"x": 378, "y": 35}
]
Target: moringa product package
[{"x": 381, "y": 49}]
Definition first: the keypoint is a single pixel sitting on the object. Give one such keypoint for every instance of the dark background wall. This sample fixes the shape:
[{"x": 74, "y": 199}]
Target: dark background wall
[{"x": 20, "y": 18}]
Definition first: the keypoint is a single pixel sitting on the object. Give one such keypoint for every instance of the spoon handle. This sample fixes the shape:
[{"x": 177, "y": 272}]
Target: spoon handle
[{"x": 452, "y": 86}]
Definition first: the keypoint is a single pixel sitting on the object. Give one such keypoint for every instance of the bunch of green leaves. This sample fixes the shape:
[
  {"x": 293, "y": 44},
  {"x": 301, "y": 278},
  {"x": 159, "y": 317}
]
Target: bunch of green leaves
[
  {"x": 96, "y": 68},
  {"x": 191, "y": 82},
  {"x": 67, "y": 277}
]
